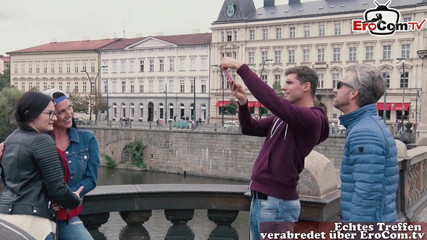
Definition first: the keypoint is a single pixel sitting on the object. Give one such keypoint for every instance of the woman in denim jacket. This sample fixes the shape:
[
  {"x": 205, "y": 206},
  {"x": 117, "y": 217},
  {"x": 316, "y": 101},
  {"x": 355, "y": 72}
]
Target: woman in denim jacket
[{"x": 79, "y": 150}]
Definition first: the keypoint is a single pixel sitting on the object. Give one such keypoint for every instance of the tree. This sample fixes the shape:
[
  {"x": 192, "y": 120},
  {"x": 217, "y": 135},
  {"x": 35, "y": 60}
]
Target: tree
[
  {"x": 98, "y": 103},
  {"x": 8, "y": 98},
  {"x": 80, "y": 104},
  {"x": 5, "y": 79},
  {"x": 231, "y": 108},
  {"x": 278, "y": 88}
]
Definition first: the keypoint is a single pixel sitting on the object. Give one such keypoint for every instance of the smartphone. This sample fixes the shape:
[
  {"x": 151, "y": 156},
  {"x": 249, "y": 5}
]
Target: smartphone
[{"x": 227, "y": 74}]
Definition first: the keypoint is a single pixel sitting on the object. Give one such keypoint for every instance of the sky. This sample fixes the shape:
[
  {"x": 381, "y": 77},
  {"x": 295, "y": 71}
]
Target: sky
[{"x": 28, "y": 23}]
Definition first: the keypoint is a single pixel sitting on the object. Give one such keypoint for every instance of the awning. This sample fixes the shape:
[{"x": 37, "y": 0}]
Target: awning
[
  {"x": 222, "y": 103},
  {"x": 380, "y": 106},
  {"x": 252, "y": 103},
  {"x": 259, "y": 105},
  {"x": 398, "y": 106}
]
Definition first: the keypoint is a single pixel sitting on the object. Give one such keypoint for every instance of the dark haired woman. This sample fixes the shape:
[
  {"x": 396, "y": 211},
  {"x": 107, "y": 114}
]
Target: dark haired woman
[{"x": 32, "y": 171}]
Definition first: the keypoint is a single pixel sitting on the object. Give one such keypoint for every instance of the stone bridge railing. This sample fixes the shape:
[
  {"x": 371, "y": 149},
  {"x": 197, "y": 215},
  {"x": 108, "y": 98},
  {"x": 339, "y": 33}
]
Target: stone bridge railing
[{"x": 223, "y": 202}]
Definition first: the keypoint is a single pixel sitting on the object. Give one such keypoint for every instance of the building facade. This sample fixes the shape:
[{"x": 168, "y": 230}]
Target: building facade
[
  {"x": 320, "y": 34},
  {"x": 157, "y": 78},
  {"x": 4, "y": 63}
]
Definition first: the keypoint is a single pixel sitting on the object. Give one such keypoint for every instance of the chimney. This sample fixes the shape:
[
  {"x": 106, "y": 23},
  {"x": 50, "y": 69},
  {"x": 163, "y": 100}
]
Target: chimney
[
  {"x": 294, "y": 2},
  {"x": 269, "y": 3}
]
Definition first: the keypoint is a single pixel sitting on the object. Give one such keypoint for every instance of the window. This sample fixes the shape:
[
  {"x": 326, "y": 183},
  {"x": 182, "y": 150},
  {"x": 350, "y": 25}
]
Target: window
[
  {"x": 38, "y": 86},
  {"x": 321, "y": 82},
  {"x": 352, "y": 54},
  {"x": 23, "y": 86},
  {"x": 114, "y": 85},
  {"x": 251, "y": 56},
  {"x": 22, "y": 68},
  {"x": 161, "y": 86},
  {"x": 337, "y": 54},
  {"x": 182, "y": 64},
  {"x": 203, "y": 86},
  {"x": 151, "y": 65},
  {"x": 229, "y": 36},
  {"x": 171, "y": 64},
  {"x": 263, "y": 56},
  {"x": 406, "y": 51},
  {"x": 150, "y": 86},
  {"x": 278, "y": 33},
  {"x": 306, "y": 55},
  {"x": 277, "y": 56},
  {"x": 141, "y": 65},
  {"x": 84, "y": 87},
  {"x": 291, "y": 56},
  {"x": 265, "y": 33},
  {"x": 369, "y": 52},
  {"x": 45, "y": 68},
  {"x": 131, "y": 65},
  {"x": 37, "y": 68},
  {"x": 277, "y": 78},
  {"x": 44, "y": 86},
  {"x": 291, "y": 32},
  {"x": 192, "y": 64},
  {"x": 407, "y": 19},
  {"x": 235, "y": 35},
  {"x": 84, "y": 67},
  {"x": 387, "y": 52},
  {"x": 335, "y": 79},
  {"x": 404, "y": 79},
  {"x": 181, "y": 86},
  {"x": 30, "y": 68},
  {"x": 30, "y": 85},
  {"x": 123, "y": 66},
  {"x": 161, "y": 65},
  {"x": 60, "y": 86},
  {"x": 52, "y": 84},
  {"x": 252, "y": 34},
  {"x": 60, "y": 68},
  {"x": 322, "y": 29},
  {"x": 386, "y": 76},
  {"x": 307, "y": 31},
  {"x": 76, "y": 67},
  {"x": 68, "y": 67},
  {"x": 171, "y": 85},
  {"x": 15, "y": 68},
  {"x": 123, "y": 86},
  {"x": 263, "y": 77},
  {"x": 192, "y": 86},
  {"x": 222, "y": 36},
  {"x": 76, "y": 86},
  {"x": 320, "y": 55},
  {"x": 337, "y": 28},
  {"x": 92, "y": 67},
  {"x": 204, "y": 64},
  {"x": 115, "y": 66}
]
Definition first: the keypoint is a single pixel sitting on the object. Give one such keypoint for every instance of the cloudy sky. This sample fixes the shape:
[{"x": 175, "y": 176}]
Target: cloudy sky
[{"x": 28, "y": 23}]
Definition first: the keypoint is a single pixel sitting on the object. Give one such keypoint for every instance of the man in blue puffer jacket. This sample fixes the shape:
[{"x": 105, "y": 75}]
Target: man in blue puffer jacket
[{"x": 369, "y": 171}]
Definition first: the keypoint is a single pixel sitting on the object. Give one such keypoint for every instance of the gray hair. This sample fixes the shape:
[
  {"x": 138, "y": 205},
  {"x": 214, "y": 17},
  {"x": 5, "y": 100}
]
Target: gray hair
[{"x": 369, "y": 82}]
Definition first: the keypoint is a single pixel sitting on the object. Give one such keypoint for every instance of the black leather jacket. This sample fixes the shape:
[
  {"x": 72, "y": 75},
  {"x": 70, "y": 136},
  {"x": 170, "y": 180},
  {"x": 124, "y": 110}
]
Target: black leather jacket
[{"x": 33, "y": 175}]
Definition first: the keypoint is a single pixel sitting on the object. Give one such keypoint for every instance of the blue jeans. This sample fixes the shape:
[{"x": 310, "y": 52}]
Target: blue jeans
[
  {"x": 271, "y": 210},
  {"x": 73, "y": 230}
]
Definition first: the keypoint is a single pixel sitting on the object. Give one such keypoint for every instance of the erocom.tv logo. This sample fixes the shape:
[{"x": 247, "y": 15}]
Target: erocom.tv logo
[{"x": 384, "y": 21}]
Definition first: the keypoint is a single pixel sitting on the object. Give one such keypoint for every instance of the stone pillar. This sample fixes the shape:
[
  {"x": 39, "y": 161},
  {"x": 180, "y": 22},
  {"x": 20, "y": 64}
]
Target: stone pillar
[
  {"x": 92, "y": 223},
  {"x": 223, "y": 220},
  {"x": 422, "y": 126},
  {"x": 179, "y": 230},
  {"x": 134, "y": 228}
]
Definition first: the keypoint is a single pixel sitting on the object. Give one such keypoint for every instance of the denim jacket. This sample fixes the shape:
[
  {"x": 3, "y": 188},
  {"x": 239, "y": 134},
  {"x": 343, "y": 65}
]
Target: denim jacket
[{"x": 83, "y": 160}]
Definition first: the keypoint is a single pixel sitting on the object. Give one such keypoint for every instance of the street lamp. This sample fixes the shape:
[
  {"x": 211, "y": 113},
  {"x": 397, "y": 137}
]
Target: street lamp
[
  {"x": 194, "y": 100},
  {"x": 166, "y": 104},
  {"x": 90, "y": 90},
  {"x": 402, "y": 60},
  {"x": 223, "y": 104},
  {"x": 108, "y": 108},
  {"x": 263, "y": 64}
]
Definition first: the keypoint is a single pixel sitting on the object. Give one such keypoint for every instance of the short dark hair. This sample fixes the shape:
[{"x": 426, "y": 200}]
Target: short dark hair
[
  {"x": 29, "y": 107},
  {"x": 305, "y": 74}
]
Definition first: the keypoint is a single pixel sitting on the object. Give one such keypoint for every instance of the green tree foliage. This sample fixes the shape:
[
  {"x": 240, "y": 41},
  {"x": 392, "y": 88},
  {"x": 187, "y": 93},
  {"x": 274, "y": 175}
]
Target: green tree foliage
[
  {"x": 5, "y": 79},
  {"x": 8, "y": 98},
  {"x": 80, "y": 104},
  {"x": 278, "y": 88},
  {"x": 136, "y": 150},
  {"x": 99, "y": 104},
  {"x": 231, "y": 108},
  {"x": 109, "y": 161}
]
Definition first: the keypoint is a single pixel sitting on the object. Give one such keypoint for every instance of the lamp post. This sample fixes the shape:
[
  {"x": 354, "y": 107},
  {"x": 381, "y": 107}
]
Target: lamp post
[
  {"x": 166, "y": 104},
  {"x": 108, "y": 108},
  {"x": 262, "y": 68},
  {"x": 90, "y": 90},
  {"x": 403, "y": 86},
  {"x": 194, "y": 100},
  {"x": 416, "y": 110},
  {"x": 223, "y": 105}
]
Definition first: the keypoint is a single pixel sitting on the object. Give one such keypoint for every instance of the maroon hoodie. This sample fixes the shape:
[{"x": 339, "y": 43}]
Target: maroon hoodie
[{"x": 291, "y": 133}]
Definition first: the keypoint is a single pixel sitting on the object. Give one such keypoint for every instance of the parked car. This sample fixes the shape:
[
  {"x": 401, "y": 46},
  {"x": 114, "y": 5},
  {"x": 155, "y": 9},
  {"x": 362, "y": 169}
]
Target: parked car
[
  {"x": 231, "y": 124},
  {"x": 81, "y": 121},
  {"x": 181, "y": 124}
]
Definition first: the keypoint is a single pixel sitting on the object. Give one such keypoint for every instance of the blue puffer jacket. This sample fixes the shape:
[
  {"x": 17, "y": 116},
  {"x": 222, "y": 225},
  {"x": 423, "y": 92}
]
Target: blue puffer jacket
[{"x": 369, "y": 171}]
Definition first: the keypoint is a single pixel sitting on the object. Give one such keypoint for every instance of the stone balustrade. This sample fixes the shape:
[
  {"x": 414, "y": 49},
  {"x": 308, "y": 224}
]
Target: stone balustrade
[{"x": 223, "y": 202}]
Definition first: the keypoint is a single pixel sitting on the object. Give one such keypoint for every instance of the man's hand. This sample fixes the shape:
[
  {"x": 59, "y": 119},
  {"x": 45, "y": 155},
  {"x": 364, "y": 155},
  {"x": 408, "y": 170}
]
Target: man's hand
[
  {"x": 238, "y": 92},
  {"x": 229, "y": 62}
]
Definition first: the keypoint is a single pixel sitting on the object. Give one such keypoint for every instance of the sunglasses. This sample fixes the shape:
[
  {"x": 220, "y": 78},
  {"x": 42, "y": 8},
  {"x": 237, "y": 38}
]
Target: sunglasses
[
  {"x": 51, "y": 114},
  {"x": 341, "y": 83}
]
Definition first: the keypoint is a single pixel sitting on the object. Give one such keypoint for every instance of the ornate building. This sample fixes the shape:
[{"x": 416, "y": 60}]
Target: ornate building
[{"x": 321, "y": 34}]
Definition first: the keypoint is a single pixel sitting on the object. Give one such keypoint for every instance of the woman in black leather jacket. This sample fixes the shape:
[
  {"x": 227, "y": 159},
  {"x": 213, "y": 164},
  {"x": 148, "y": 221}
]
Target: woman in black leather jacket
[{"x": 31, "y": 171}]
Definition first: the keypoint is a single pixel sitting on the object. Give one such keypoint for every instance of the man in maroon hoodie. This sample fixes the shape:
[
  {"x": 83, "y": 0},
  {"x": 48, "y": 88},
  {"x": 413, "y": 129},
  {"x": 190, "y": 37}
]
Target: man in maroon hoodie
[{"x": 293, "y": 130}]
